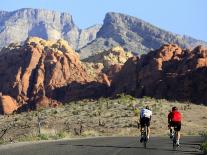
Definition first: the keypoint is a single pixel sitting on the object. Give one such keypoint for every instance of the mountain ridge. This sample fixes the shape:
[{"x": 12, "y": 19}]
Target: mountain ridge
[
  {"x": 18, "y": 25},
  {"x": 134, "y": 35},
  {"x": 118, "y": 29}
]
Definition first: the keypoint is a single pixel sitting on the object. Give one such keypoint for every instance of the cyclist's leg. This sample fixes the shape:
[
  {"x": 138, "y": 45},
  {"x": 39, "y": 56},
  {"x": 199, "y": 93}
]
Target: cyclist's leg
[
  {"x": 148, "y": 127},
  {"x": 141, "y": 126},
  {"x": 178, "y": 132},
  {"x": 148, "y": 132},
  {"x": 141, "y": 129},
  {"x": 171, "y": 132},
  {"x": 171, "y": 127},
  {"x": 178, "y": 128},
  {"x": 178, "y": 136}
]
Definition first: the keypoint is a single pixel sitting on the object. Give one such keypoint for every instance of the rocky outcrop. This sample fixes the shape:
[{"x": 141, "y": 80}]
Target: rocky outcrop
[
  {"x": 169, "y": 72},
  {"x": 32, "y": 74},
  {"x": 134, "y": 35},
  {"x": 7, "y": 104},
  {"x": 105, "y": 65},
  {"x": 17, "y": 26},
  {"x": 115, "y": 55}
]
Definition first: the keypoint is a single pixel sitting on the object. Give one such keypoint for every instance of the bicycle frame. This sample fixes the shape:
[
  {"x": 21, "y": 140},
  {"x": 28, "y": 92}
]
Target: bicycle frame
[
  {"x": 144, "y": 136},
  {"x": 174, "y": 140}
]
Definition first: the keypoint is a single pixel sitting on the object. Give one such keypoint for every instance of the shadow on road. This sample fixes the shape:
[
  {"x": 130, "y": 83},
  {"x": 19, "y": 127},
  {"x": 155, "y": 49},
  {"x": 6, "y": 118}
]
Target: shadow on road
[
  {"x": 109, "y": 146},
  {"x": 139, "y": 147}
]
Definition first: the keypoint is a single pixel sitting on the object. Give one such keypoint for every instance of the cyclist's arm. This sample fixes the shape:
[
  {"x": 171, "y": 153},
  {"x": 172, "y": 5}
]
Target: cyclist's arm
[
  {"x": 169, "y": 118},
  {"x": 140, "y": 118}
]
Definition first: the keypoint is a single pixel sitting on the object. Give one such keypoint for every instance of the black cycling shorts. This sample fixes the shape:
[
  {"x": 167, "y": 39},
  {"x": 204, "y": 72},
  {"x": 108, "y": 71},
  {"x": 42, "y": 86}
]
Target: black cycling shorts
[
  {"x": 145, "y": 121},
  {"x": 176, "y": 125}
]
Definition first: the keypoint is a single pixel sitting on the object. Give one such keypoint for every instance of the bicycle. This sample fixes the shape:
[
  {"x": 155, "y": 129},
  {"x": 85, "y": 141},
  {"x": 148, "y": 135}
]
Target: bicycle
[
  {"x": 144, "y": 136},
  {"x": 174, "y": 140}
]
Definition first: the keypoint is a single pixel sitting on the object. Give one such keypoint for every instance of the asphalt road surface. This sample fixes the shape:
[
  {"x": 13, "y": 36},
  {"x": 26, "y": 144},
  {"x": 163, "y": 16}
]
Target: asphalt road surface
[{"x": 104, "y": 146}]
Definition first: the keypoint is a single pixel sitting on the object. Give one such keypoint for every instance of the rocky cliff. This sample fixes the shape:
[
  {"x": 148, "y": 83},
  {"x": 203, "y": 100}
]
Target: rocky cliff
[
  {"x": 134, "y": 35},
  {"x": 169, "y": 72},
  {"x": 43, "y": 73},
  {"x": 17, "y": 26}
]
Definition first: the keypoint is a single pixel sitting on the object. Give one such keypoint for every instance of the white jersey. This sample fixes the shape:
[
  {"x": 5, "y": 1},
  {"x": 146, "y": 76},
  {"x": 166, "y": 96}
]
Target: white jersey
[{"x": 145, "y": 113}]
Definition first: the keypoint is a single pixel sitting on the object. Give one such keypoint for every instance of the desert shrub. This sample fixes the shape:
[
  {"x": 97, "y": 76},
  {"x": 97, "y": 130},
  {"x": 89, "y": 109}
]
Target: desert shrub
[
  {"x": 1, "y": 142},
  {"x": 136, "y": 112},
  {"x": 42, "y": 137},
  {"x": 59, "y": 135},
  {"x": 204, "y": 144},
  {"x": 28, "y": 138},
  {"x": 125, "y": 99},
  {"x": 89, "y": 133},
  {"x": 204, "y": 147},
  {"x": 62, "y": 134},
  {"x": 75, "y": 112}
]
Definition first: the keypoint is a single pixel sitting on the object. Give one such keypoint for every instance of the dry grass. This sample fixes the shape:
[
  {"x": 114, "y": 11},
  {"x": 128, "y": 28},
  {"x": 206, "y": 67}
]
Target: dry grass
[{"x": 103, "y": 117}]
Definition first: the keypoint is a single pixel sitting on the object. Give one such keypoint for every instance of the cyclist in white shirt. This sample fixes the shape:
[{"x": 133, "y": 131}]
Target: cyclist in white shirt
[{"x": 145, "y": 118}]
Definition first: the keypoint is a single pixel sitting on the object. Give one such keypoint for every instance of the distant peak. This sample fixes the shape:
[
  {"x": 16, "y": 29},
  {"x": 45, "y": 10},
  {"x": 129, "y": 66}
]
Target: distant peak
[
  {"x": 41, "y": 10},
  {"x": 116, "y": 14}
]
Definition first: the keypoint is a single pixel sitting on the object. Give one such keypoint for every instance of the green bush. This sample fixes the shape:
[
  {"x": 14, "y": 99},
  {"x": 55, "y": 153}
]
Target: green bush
[
  {"x": 136, "y": 112},
  {"x": 27, "y": 138},
  {"x": 204, "y": 144},
  {"x": 42, "y": 137},
  {"x": 204, "y": 147},
  {"x": 1, "y": 142},
  {"x": 61, "y": 135}
]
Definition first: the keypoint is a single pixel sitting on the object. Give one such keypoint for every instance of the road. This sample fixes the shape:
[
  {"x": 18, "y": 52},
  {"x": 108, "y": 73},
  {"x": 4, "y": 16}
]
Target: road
[{"x": 104, "y": 146}]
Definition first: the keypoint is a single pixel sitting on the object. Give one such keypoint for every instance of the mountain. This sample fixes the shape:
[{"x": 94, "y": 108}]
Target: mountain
[
  {"x": 17, "y": 26},
  {"x": 170, "y": 72},
  {"x": 118, "y": 29},
  {"x": 133, "y": 35}
]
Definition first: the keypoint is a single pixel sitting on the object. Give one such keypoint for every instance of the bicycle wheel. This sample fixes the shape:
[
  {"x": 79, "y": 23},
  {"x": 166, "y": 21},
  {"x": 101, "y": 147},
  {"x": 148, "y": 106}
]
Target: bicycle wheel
[
  {"x": 145, "y": 137},
  {"x": 174, "y": 141}
]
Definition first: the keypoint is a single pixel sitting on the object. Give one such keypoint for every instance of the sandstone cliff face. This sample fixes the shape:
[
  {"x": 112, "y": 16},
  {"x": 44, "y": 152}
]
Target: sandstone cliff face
[
  {"x": 7, "y": 104},
  {"x": 43, "y": 73},
  {"x": 169, "y": 72},
  {"x": 34, "y": 72}
]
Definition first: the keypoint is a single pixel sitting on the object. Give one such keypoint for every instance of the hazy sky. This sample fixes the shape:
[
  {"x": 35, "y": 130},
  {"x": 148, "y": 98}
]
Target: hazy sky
[{"x": 179, "y": 16}]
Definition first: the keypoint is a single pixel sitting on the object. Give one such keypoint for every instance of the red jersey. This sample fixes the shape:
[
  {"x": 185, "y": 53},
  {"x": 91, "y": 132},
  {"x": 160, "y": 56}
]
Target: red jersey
[{"x": 175, "y": 116}]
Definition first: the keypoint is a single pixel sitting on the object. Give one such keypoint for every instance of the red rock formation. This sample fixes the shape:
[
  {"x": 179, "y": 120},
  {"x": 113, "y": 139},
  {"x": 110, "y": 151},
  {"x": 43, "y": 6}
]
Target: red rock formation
[
  {"x": 45, "y": 102},
  {"x": 44, "y": 74},
  {"x": 7, "y": 104},
  {"x": 169, "y": 72},
  {"x": 31, "y": 73}
]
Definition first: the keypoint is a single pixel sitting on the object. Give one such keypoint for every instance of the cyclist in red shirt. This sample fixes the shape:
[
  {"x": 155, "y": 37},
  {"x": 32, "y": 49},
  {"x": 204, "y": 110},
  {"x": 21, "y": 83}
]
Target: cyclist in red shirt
[{"x": 174, "y": 120}]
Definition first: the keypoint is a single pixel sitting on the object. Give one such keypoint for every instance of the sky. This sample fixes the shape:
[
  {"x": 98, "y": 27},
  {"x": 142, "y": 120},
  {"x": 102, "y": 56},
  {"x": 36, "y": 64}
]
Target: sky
[{"x": 185, "y": 17}]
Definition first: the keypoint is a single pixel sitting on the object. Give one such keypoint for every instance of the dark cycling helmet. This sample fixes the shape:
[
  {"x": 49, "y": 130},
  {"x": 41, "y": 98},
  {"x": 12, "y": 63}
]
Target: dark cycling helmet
[
  {"x": 174, "y": 108},
  {"x": 147, "y": 107}
]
